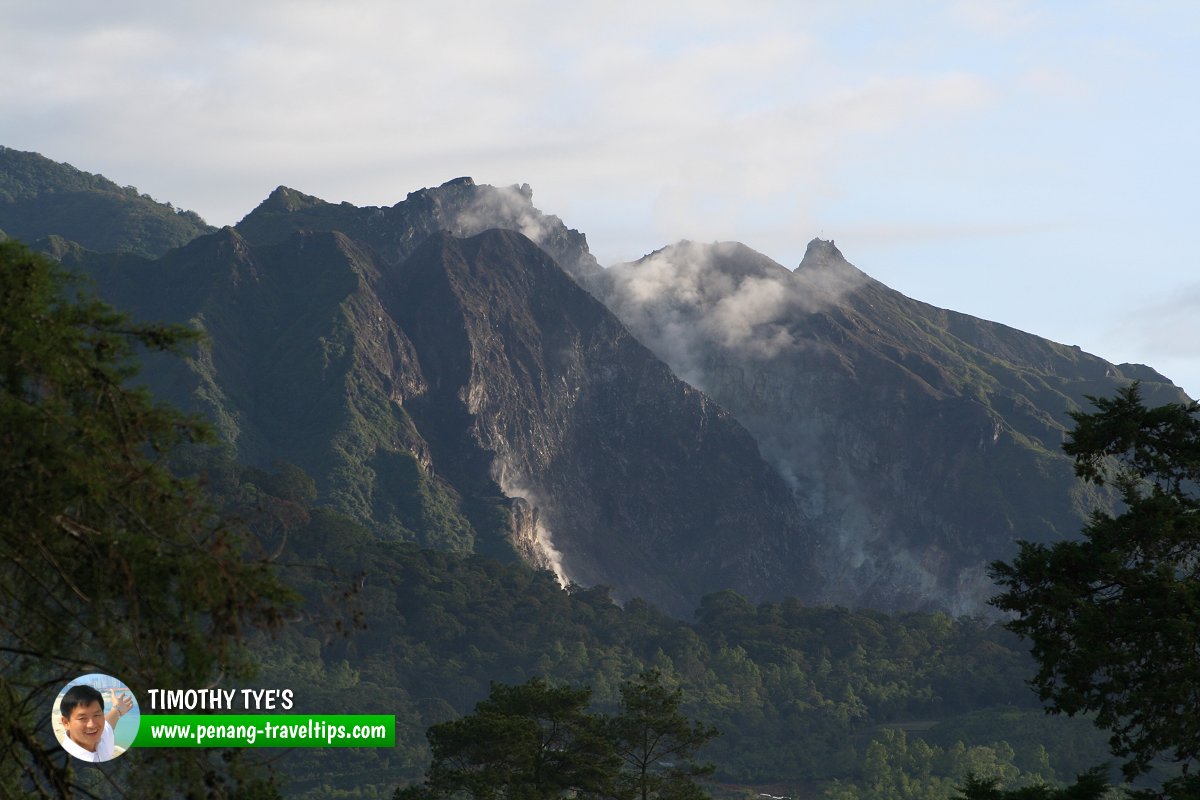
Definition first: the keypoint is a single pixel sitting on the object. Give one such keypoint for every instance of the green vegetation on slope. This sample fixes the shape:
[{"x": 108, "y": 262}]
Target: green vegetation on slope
[
  {"x": 800, "y": 694},
  {"x": 40, "y": 198},
  {"x": 803, "y": 694},
  {"x": 322, "y": 386}
]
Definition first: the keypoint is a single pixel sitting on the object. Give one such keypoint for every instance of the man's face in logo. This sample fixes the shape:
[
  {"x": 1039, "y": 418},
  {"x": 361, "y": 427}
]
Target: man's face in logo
[{"x": 85, "y": 725}]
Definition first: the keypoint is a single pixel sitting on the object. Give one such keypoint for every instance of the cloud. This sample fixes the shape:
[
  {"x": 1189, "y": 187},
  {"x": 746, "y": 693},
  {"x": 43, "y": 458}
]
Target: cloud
[
  {"x": 505, "y": 207},
  {"x": 995, "y": 17},
  {"x": 692, "y": 302},
  {"x": 701, "y": 106},
  {"x": 1165, "y": 325},
  {"x": 639, "y": 124}
]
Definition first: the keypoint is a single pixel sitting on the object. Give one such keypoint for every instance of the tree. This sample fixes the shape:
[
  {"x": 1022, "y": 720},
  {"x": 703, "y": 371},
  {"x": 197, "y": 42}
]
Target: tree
[
  {"x": 537, "y": 741},
  {"x": 108, "y": 562},
  {"x": 1091, "y": 785},
  {"x": 657, "y": 742},
  {"x": 1114, "y": 618},
  {"x": 523, "y": 742}
]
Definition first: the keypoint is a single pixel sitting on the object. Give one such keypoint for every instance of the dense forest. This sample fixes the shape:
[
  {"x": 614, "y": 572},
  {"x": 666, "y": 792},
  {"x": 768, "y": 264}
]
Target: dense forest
[
  {"x": 821, "y": 700},
  {"x": 67, "y": 207}
]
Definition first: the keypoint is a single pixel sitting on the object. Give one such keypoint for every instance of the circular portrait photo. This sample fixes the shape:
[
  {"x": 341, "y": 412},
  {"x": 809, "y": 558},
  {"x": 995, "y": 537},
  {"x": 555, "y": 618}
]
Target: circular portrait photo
[{"x": 95, "y": 717}]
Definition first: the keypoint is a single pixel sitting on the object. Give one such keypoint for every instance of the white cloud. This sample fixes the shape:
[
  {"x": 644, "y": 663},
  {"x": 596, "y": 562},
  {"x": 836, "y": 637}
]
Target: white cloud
[
  {"x": 1164, "y": 326},
  {"x": 704, "y": 106},
  {"x": 995, "y": 17},
  {"x": 691, "y": 300}
]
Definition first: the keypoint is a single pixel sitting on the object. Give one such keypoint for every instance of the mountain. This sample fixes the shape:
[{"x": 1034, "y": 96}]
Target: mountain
[
  {"x": 919, "y": 443},
  {"x": 40, "y": 198},
  {"x": 458, "y": 387},
  {"x": 469, "y": 395}
]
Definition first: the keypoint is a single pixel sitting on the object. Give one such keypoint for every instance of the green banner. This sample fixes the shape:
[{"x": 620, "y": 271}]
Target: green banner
[{"x": 266, "y": 730}]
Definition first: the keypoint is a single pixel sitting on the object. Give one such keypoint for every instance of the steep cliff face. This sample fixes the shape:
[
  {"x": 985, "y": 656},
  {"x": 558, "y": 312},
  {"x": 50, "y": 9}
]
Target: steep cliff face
[
  {"x": 301, "y": 364},
  {"x": 918, "y": 443},
  {"x": 638, "y": 480},
  {"x": 472, "y": 396}
]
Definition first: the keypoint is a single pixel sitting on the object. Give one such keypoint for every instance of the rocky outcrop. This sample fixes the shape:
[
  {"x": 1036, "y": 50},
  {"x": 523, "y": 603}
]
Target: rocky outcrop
[{"x": 638, "y": 481}]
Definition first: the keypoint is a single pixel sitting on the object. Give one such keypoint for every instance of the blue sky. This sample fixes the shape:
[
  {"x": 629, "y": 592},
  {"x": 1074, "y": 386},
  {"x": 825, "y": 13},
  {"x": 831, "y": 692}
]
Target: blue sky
[{"x": 1031, "y": 163}]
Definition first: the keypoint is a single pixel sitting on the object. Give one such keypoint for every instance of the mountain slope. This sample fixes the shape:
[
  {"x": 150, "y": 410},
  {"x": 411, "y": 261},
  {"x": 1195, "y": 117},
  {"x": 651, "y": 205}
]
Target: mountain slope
[
  {"x": 472, "y": 395},
  {"x": 919, "y": 443},
  {"x": 428, "y": 381},
  {"x": 40, "y": 198},
  {"x": 303, "y": 365}
]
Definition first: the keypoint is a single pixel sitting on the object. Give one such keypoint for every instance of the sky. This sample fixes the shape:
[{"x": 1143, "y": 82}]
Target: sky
[{"x": 1032, "y": 163}]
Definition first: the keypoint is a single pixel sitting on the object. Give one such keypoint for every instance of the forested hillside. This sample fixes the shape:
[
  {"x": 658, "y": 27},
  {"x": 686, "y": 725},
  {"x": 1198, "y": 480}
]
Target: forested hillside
[
  {"x": 802, "y": 695},
  {"x": 40, "y": 198}
]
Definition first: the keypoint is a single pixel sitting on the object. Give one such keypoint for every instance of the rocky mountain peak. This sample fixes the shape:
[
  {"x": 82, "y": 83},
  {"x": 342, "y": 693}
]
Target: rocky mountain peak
[
  {"x": 889, "y": 419},
  {"x": 286, "y": 199},
  {"x": 584, "y": 423},
  {"x": 822, "y": 253}
]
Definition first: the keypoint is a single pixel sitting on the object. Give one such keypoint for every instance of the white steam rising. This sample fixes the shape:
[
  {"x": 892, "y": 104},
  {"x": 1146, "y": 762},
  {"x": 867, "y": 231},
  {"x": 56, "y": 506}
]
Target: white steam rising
[
  {"x": 533, "y": 533},
  {"x": 507, "y": 207},
  {"x": 729, "y": 321},
  {"x": 689, "y": 301},
  {"x": 511, "y": 208}
]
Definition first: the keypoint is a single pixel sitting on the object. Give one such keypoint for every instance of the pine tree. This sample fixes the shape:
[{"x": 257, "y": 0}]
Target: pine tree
[
  {"x": 532, "y": 742},
  {"x": 657, "y": 743},
  {"x": 108, "y": 562}
]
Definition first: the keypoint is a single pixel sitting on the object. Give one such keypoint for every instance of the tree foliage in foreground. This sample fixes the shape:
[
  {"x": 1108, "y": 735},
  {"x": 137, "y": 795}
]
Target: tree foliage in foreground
[
  {"x": 657, "y": 743},
  {"x": 537, "y": 741},
  {"x": 108, "y": 562},
  {"x": 1114, "y": 618},
  {"x": 529, "y": 741}
]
